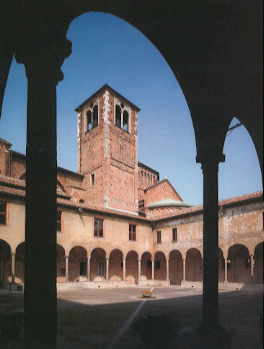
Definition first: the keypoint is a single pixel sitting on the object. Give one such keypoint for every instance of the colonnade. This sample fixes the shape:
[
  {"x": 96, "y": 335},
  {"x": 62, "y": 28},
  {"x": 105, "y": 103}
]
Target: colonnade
[{"x": 227, "y": 257}]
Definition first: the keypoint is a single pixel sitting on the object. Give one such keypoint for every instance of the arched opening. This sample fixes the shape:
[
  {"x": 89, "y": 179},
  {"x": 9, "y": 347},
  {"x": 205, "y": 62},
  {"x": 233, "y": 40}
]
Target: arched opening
[
  {"x": 239, "y": 266},
  {"x": 5, "y": 264},
  {"x": 160, "y": 266},
  {"x": 221, "y": 266},
  {"x": 78, "y": 264},
  {"x": 20, "y": 263},
  {"x": 175, "y": 267},
  {"x": 240, "y": 173},
  {"x": 98, "y": 265},
  {"x": 194, "y": 268},
  {"x": 116, "y": 265},
  {"x": 132, "y": 267},
  {"x": 146, "y": 267},
  {"x": 61, "y": 264},
  {"x": 258, "y": 270}
]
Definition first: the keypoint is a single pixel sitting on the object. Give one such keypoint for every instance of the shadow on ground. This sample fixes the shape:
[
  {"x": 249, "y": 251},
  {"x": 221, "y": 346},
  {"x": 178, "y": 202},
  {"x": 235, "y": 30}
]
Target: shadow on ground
[{"x": 92, "y": 318}]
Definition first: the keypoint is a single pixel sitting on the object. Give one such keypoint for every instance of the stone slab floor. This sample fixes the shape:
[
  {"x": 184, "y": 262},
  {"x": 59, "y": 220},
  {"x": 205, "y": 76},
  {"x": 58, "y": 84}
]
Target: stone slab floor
[{"x": 104, "y": 318}]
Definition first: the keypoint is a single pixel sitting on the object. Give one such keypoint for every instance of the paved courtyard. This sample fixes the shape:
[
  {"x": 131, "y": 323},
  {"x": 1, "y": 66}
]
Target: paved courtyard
[{"x": 93, "y": 318}]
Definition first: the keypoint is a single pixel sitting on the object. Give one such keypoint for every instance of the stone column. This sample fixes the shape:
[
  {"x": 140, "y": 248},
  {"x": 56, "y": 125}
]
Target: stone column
[
  {"x": 183, "y": 269},
  {"x": 107, "y": 269},
  {"x": 124, "y": 269},
  {"x": 152, "y": 269},
  {"x": 42, "y": 50},
  {"x": 252, "y": 265},
  {"x": 139, "y": 269},
  {"x": 67, "y": 268},
  {"x": 210, "y": 245},
  {"x": 13, "y": 266},
  {"x": 167, "y": 269},
  {"x": 88, "y": 271},
  {"x": 226, "y": 262}
]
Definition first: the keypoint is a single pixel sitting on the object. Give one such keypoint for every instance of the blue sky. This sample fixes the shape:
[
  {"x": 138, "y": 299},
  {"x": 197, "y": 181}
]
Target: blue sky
[{"x": 105, "y": 49}]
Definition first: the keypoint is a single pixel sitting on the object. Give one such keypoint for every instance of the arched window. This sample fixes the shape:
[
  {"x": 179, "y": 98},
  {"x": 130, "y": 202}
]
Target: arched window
[
  {"x": 95, "y": 116},
  {"x": 91, "y": 118},
  {"x": 125, "y": 121},
  {"x": 118, "y": 116},
  {"x": 121, "y": 117}
]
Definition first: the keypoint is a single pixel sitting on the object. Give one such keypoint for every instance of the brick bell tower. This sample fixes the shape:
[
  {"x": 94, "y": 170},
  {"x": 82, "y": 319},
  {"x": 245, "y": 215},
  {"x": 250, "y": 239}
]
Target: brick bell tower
[{"x": 107, "y": 150}]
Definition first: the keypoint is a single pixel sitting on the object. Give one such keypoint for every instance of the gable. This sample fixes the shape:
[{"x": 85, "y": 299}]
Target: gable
[{"x": 161, "y": 191}]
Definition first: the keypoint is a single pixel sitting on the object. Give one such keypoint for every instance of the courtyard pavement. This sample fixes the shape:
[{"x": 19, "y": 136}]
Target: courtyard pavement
[{"x": 104, "y": 318}]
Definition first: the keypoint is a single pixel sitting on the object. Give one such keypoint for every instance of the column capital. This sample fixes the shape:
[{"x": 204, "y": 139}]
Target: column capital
[{"x": 42, "y": 51}]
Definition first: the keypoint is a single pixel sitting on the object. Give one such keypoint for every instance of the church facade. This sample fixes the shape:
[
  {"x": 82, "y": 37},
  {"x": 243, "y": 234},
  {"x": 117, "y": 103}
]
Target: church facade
[{"x": 117, "y": 222}]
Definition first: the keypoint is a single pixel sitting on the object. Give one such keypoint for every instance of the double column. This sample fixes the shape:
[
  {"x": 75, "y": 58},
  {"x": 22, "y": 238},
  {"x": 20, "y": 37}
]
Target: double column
[{"x": 42, "y": 52}]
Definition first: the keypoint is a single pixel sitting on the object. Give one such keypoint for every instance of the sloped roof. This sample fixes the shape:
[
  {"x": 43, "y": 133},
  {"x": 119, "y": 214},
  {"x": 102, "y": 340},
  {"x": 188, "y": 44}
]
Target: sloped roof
[
  {"x": 168, "y": 203},
  {"x": 113, "y": 91}
]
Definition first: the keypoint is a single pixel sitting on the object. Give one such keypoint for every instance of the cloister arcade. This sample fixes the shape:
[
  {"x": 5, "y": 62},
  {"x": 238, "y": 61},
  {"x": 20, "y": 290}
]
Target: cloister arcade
[{"x": 238, "y": 265}]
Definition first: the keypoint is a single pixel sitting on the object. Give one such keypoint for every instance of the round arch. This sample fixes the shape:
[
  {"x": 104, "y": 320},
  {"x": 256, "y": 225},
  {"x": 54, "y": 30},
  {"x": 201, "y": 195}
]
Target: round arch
[
  {"x": 78, "y": 264},
  {"x": 194, "y": 268},
  {"x": 160, "y": 266},
  {"x": 61, "y": 264},
  {"x": 239, "y": 266},
  {"x": 20, "y": 263},
  {"x": 258, "y": 257},
  {"x": 5, "y": 263},
  {"x": 146, "y": 266},
  {"x": 116, "y": 265},
  {"x": 132, "y": 266},
  {"x": 175, "y": 267},
  {"x": 98, "y": 264}
]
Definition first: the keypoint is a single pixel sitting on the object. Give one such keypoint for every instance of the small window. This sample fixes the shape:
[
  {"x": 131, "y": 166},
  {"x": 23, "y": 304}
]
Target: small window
[
  {"x": 91, "y": 117},
  {"x": 92, "y": 179},
  {"x": 159, "y": 237},
  {"x": 95, "y": 116},
  {"x": 157, "y": 264},
  {"x": 118, "y": 116},
  {"x": 132, "y": 232},
  {"x": 89, "y": 120},
  {"x": 3, "y": 212},
  {"x": 98, "y": 227},
  {"x": 121, "y": 117},
  {"x": 125, "y": 121},
  {"x": 83, "y": 268},
  {"x": 100, "y": 269},
  {"x": 149, "y": 264},
  {"x": 59, "y": 225},
  {"x": 63, "y": 272},
  {"x": 174, "y": 234}
]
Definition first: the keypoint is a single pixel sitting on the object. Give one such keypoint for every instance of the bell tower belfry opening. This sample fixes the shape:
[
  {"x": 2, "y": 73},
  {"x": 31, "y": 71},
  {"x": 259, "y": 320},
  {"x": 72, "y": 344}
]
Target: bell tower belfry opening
[{"x": 107, "y": 150}]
